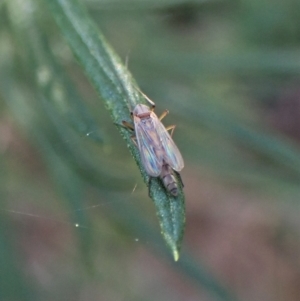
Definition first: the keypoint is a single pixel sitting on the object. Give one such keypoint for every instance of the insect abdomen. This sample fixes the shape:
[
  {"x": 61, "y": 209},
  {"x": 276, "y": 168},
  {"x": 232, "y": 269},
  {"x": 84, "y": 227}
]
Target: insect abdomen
[{"x": 169, "y": 180}]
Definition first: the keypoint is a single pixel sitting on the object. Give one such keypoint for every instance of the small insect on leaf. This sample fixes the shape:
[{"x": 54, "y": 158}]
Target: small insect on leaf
[{"x": 159, "y": 154}]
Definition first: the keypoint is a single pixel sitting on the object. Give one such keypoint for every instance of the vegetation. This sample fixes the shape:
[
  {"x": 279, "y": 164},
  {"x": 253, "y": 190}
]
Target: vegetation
[{"x": 76, "y": 222}]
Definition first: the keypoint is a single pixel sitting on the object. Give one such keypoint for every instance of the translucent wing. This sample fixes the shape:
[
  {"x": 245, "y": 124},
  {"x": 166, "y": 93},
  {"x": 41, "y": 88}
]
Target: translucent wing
[
  {"x": 172, "y": 154},
  {"x": 147, "y": 144}
]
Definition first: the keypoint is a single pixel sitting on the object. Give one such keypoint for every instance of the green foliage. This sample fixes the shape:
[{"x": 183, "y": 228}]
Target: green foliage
[
  {"x": 217, "y": 66},
  {"x": 116, "y": 87}
]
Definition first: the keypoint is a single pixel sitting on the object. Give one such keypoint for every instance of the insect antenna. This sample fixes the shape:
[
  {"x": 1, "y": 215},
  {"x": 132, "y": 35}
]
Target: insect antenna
[{"x": 152, "y": 103}]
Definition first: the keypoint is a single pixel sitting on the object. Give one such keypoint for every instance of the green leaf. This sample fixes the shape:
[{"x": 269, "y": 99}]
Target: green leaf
[
  {"x": 123, "y": 212},
  {"x": 54, "y": 105},
  {"x": 118, "y": 91}
]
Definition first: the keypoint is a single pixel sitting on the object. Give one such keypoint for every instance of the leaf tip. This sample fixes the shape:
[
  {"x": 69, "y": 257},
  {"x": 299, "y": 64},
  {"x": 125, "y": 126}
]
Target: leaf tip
[{"x": 176, "y": 255}]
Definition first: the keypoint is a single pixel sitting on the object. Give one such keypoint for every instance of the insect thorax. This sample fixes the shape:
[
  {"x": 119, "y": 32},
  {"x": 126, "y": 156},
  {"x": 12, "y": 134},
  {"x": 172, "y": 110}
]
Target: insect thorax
[{"x": 141, "y": 111}]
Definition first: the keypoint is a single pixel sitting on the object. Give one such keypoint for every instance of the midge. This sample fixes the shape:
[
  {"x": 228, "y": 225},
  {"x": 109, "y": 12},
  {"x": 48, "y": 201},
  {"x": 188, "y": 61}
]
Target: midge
[{"x": 159, "y": 153}]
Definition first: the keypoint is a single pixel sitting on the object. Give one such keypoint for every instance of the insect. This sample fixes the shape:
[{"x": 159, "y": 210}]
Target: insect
[{"x": 160, "y": 155}]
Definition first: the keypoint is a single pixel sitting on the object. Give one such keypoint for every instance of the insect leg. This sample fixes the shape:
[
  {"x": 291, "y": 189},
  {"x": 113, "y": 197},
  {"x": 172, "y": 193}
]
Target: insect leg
[
  {"x": 171, "y": 128},
  {"x": 163, "y": 115},
  {"x": 124, "y": 126},
  {"x": 127, "y": 125},
  {"x": 133, "y": 139},
  {"x": 179, "y": 177},
  {"x": 130, "y": 127}
]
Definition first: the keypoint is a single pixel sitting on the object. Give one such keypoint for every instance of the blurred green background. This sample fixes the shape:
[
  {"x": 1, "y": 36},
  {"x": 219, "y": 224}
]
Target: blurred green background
[{"x": 76, "y": 222}]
